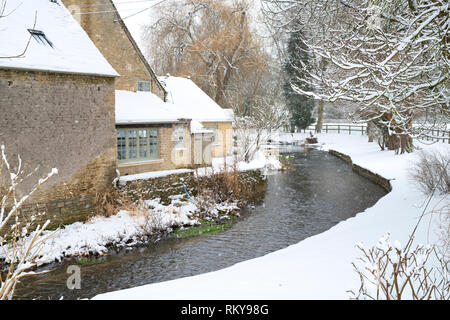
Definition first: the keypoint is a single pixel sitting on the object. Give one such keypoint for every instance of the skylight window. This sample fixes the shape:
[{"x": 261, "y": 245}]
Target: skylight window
[{"x": 40, "y": 37}]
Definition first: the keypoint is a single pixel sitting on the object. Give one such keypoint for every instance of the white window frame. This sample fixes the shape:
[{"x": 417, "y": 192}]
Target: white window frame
[
  {"x": 179, "y": 137},
  {"x": 215, "y": 129}
]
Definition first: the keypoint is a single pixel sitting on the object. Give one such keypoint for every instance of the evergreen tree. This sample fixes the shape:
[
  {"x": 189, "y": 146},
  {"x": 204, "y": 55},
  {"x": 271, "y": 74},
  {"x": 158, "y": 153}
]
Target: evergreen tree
[{"x": 300, "y": 106}]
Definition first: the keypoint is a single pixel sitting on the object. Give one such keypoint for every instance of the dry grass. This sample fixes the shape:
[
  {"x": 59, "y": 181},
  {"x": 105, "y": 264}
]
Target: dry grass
[
  {"x": 222, "y": 186},
  {"x": 110, "y": 203},
  {"x": 432, "y": 172},
  {"x": 395, "y": 273},
  {"x": 228, "y": 189}
]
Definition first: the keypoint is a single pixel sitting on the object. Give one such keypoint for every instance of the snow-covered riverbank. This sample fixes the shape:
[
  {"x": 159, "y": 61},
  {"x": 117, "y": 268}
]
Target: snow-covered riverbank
[
  {"x": 320, "y": 266},
  {"x": 123, "y": 230},
  {"x": 127, "y": 229}
]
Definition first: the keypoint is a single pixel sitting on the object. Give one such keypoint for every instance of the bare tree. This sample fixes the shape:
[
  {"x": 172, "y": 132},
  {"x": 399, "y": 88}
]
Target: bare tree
[
  {"x": 212, "y": 42},
  {"x": 390, "y": 58},
  {"x": 267, "y": 114}
]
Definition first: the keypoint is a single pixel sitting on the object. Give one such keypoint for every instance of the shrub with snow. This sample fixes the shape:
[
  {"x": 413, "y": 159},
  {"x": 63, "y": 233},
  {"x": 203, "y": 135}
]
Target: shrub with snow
[
  {"x": 393, "y": 272},
  {"x": 432, "y": 172}
]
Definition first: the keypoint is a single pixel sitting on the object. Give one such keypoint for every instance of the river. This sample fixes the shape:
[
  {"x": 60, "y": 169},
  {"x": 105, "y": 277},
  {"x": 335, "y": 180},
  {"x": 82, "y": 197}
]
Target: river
[{"x": 318, "y": 192}]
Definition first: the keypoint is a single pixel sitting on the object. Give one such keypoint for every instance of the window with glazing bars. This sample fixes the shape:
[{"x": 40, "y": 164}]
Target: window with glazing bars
[
  {"x": 40, "y": 37},
  {"x": 144, "y": 86},
  {"x": 137, "y": 144}
]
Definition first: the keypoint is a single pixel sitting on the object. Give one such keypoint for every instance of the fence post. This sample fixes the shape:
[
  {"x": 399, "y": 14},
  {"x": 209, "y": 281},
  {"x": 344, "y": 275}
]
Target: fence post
[
  {"x": 362, "y": 129},
  {"x": 326, "y": 128},
  {"x": 349, "y": 129},
  {"x": 339, "y": 128}
]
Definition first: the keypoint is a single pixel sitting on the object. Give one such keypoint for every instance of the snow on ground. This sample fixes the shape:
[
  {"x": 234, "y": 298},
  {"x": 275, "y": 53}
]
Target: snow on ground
[
  {"x": 127, "y": 229},
  {"x": 124, "y": 229},
  {"x": 318, "y": 267}
]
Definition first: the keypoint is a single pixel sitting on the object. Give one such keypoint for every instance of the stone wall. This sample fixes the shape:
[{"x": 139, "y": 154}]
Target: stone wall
[
  {"x": 113, "y": 39},
  {"x": 171, "y": 185},
  {"x": 376, "y": 178},
  {"x": 60, "y": 121},
  {"x": 224, "y": 145},
  {"x": 169, "y": 157}
]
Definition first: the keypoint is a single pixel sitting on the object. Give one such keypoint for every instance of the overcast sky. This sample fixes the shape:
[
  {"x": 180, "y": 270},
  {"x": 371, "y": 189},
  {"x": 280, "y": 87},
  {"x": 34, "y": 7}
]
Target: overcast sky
[{"x": 136, "y": 13}]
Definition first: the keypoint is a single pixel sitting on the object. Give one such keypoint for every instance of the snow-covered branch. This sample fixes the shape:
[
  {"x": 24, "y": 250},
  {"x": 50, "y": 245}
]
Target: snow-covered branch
[
  {"x": 14, "y": 226},
  {"x": 390, "y": 60}
]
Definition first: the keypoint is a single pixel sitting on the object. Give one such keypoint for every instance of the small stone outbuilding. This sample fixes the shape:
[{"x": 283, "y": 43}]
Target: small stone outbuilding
[{"x": 193, "y": 103}]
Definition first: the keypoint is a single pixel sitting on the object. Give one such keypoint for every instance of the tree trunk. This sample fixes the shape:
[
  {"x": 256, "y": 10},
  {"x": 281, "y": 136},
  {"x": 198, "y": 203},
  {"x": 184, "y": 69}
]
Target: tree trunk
[
  {"x": 406, "y": 143},
  {"x": 370, "y": 131},
  {"x": 392, "y": 141},
  {"x": 320, "y": 117}
]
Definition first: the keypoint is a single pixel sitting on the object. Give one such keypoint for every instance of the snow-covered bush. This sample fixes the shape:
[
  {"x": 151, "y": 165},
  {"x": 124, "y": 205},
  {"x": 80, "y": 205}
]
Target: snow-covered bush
[
  {"x": 432, "y": 176},
  {"x": 392, "y": 272},
  {"x": 432, "y": 172},
  {"x": 23, "y": 250}
]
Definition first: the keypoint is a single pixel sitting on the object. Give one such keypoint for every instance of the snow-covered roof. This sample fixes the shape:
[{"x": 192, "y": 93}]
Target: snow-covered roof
[
  {"x": 197, "y": 127},
  {"x": 68, "y": 50},
  {"x": 143, "y": 107},
  {"x": 193, "y": 101}
]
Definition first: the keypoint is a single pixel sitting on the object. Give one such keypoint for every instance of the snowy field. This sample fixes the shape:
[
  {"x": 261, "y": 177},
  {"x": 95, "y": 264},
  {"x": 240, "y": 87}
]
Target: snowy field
[{"x": 318, "y": 267}]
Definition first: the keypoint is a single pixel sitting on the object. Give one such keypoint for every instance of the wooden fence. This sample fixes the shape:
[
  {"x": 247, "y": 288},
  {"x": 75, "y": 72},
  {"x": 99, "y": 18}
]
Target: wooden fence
[
  {"x": 436, "y": 135},
  {"x": 340, "y": 128},
  {"x": 433, "y": 135}
]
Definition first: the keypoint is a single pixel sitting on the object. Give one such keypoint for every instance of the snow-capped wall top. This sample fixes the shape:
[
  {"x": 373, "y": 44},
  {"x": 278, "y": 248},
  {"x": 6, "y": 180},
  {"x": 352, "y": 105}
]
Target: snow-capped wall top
[
  {"x": 194, "y": 102},
  {"x": 58, "y": 44},
  {"x": 143, "y": 107}
]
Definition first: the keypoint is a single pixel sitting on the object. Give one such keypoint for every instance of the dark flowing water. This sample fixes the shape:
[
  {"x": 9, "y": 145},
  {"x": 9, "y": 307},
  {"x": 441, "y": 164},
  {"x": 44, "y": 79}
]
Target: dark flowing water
[{"x": 319, "y": 192}]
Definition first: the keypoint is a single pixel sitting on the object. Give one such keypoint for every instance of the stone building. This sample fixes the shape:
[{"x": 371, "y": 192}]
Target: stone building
[
  {"x": 145, "y": 131},
  {"x": 186, "y": 131},
  {"x": 195, "y": 104},
  {"x": 104, "y": 25},
  {"x": 151, "y": 135},
  {"x": 56, "y": 107}
]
